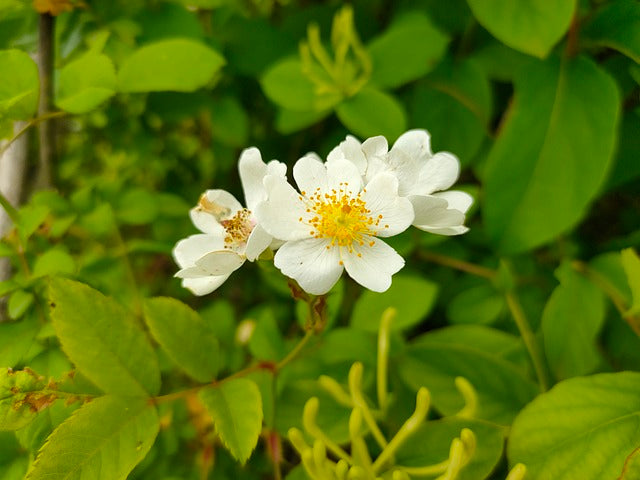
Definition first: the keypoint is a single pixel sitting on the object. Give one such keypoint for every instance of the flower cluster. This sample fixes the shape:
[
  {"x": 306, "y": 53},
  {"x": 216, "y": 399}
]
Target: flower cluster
[{"x": 334, "y": 221}]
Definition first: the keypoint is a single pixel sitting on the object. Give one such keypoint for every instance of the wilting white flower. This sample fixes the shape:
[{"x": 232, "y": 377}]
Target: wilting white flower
[
  {"x": 422, "y": 177},
  {"x": 231, "y": 233},
  {"x": 334, "y": 223}
]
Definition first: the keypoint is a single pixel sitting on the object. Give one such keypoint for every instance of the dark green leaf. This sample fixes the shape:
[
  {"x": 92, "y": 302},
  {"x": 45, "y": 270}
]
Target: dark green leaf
[
  {"x": 567, "y": 111},
  {"x": 410, "y": 48},
  {"x": 531, "y": 26},
  {"x": 616, "y": 25},
  {"x": 103, "y": 340},
  {"x": 230, "y": 122},
  {"x": 556, "y": 436},
  {"x": 184, "y": 336},
  {"x": 373, "y": 112},
  {"x": 501, "y": 387},
  {"x": 454, "y": 105},
  {"x": 480, "y": 305},
  {"x": 413, "y": 298},
  {"x": 571, "y": 321},
  {"x": 266, "y": 342}
]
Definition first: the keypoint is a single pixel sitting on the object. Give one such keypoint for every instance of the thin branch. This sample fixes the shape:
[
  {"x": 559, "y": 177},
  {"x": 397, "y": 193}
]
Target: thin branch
[
  {"x": 461, "y": 265},
  {"x": 46, "y": 41},
  {"x": 31, "y": 123},
  {"x": 529, "y": 339}
]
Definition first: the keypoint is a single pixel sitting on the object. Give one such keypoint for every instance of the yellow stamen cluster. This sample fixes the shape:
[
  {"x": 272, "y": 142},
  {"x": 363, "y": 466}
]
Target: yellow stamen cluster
[
  {"x": 238, "y": 228},
  {"x": 341, "y": 217}
]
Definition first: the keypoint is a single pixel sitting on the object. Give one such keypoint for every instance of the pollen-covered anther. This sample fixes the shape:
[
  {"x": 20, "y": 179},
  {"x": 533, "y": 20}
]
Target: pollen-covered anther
[
  {"x": 342, "y": 218},
  {"x": 238, "y": 228}
]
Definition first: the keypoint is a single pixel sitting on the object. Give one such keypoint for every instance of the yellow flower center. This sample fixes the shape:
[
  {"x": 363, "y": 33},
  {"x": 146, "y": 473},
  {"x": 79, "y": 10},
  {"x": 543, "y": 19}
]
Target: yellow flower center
[
  {"x": 341, "y": 217},
  {"x": 238, "y": 228}
]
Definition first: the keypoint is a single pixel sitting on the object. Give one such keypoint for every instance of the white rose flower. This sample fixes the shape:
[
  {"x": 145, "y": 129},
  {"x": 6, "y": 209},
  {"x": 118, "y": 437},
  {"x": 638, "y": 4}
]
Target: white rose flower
[
  {"x": 422, "y": 177},
  {"x": 334, "y": 224},
  {"x": 231, "y": 233}
]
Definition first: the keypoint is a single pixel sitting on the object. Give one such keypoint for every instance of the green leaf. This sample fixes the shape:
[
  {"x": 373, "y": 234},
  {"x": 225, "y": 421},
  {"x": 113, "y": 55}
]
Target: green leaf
[
  {"x": 481, "y": 304},
  {"x": 266, "y": 342},
  {"x": 179, "y": 65},
  {"x": 16, "y": 397},
  {"x": 438, "y": 436},
  {"x": 501, "y": 387},
  {"x": 29, "y": 220},
  {"x": 567, "y": 111},
  {"x": 413, "y": 297},
  {"x": 571, "y": 321},
  {"x": 103, "y": 440},
  {"x": 290, "y": 121},
  {"x": 626, "y": 167},
  {"x": 103, "y": 340},
  {"x": 285, "y": 85},
  {"x": 454, "y": 105},
  {"x": 616, "y": 25},
  {"x": 33, "y": 436},
  {"x": 631, "y": 264},
  {"x": 489, "y": 340},
  {"x": 53, "y": 261},
  {"x": 230, "y": 122},
  {"x": 18, "y": 91},
  {"x": 85, "y": 83},
  {"x": 184, "y": 336},
  {"x": 19, "y": 303},
  {"x": 531, "y": 26},
  {"x": 373, "y": 112},
  {"x": 137, "y": 207},
  {"x": 556, "y": 436},
  {"x": 409, "y": 49},
  {"x": 16, "y": 341},
  {"x": 631, "y": 468},
  {"x": 236, "y": 409}
]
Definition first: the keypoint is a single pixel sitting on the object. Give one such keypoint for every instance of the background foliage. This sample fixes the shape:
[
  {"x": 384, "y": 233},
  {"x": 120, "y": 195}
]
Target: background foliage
[{"x": 154, "y": 101}]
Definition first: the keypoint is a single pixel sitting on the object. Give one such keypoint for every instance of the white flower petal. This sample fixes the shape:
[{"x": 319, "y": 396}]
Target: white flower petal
[
  {"x": 221, "y": 262},
  {"x": 381, "y": 197},
  {"x": 203, "y": 285},
  {"x": 343, "y": 175},
  {"x": 405, "y": 168},
  {"x": 280, "y": 214},
  {"x": 309, "y": 174},
  {"x": 375, "y": 146},
  {"x": 432, "y": 215},
  {"x": 375, "y": 265},
  {"x": 439, "y": 173},
  {"x": 252, "y": 171},
  {"x": 448, "y": 231},
  {"x": 350, "y": 149},
  {"x": 315, "y": 267},
  {"x": 190, "y": 249},
  {"x": 258, "y": 241},
  {"x": 456, "y": 199},
  {"x": 416, "y": 144},
  {"x": 214, "y": 205}
]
